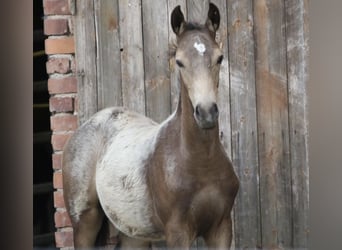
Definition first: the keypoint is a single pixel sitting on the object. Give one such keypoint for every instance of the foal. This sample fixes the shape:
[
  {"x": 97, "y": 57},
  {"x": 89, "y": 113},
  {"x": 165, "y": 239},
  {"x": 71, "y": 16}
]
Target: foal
[{"x": 171, "y": 181}]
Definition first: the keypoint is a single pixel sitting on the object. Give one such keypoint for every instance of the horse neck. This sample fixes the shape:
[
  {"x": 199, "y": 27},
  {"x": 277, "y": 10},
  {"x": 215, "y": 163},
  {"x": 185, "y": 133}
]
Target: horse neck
[{"x": 193, "y": 139}]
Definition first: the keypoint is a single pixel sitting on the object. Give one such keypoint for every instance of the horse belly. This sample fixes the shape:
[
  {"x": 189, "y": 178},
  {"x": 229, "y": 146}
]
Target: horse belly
[{"x": 121, "y": 183}]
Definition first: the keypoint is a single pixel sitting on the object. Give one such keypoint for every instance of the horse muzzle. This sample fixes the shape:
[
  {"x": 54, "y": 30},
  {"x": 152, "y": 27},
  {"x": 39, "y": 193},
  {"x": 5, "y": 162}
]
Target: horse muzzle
[{"x": 206, "y": 116}]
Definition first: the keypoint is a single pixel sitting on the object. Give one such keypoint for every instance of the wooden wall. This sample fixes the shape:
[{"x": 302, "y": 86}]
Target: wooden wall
[{"x": 122, "y": 51}]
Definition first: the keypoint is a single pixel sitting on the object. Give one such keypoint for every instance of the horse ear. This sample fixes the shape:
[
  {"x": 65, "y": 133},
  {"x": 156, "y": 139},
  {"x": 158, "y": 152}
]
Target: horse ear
[
  {"x": 177, "y": 20},
  {"x": 213, "y": 21}
]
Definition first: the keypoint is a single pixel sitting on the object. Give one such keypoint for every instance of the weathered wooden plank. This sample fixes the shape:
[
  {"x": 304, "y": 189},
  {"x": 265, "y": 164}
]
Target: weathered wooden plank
[
  {"x": 297, "y": 59},
  {"x": 132, "y": 64},
  {"x": 273, "y": 129},
  {"x": 174, "y": 80},
  {"x": 156, "y": 59},
  {"x": 197, "y": 11},
  {"x": 85, "y": 39},
  {"x": 109, "y": 91},
  {"x": 244, "y": 123}
]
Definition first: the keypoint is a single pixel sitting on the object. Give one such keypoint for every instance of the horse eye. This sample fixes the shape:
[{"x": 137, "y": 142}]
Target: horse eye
[
  {"x": 180, "y": 64},
  {"x": 220, "y": 59}
]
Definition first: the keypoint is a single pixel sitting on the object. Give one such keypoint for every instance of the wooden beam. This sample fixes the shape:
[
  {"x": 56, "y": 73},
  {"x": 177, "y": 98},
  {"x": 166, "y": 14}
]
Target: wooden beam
[
  {"x": 297, "y": 71},
  {"x": 156, "y": 59},
  {"x": 132, "y": 63},
  {"x": 244, "y": 123},
  {"x": 85, "y": 38},
  {"x": 108, "y": 54},
  {"x": 273, "y": 125}
]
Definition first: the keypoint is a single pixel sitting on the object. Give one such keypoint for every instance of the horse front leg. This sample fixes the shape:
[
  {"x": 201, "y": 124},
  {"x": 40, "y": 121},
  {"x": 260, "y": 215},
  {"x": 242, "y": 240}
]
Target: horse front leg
[
  {"x": 178, "y": 235},
  {"x": 128, "y": 243},
  {"x": 221, "y": 236}
]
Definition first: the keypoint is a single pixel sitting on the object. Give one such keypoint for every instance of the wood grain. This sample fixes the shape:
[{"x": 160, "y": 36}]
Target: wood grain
[
  {"x": 85, "y": 38},
  {"x": 132, "y": 62},
  {"x": 197, "y": 11},
  {"x": 297, "y": 59},
  {"x": 156, "y": 59},
  {"x": 109, "y": 92},
  {"x": 244, "y": 123},
  {"x": 273, "y": 129}
]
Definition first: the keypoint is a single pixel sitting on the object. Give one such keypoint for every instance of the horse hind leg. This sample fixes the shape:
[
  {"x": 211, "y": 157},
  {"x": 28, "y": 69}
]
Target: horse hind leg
[{"x": 87, "y": 228}]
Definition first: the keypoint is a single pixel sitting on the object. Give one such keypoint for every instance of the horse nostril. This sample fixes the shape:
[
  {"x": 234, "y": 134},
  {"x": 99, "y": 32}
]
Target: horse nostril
[
  {"x": 197, "y": 111},
  {"x": 214, "y": 110}
]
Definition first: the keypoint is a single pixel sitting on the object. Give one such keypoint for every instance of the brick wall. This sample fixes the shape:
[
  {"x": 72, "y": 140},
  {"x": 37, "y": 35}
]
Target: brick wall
[{"x": 62, "y": 86}]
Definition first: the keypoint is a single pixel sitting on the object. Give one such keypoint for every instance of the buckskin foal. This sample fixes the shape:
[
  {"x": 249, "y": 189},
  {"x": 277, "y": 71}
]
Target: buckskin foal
[{"x": 171, "y": 181}]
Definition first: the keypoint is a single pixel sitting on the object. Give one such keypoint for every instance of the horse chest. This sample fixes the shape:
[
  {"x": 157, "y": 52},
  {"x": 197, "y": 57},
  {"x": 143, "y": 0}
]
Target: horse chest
[
  {"x": 208, "y": 206},
  {"x": 202, "y": 197}
]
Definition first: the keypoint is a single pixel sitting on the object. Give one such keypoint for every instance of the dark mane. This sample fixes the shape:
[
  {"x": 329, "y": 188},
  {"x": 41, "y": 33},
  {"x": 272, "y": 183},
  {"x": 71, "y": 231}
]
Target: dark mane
[{"x": 193, "y": 26}]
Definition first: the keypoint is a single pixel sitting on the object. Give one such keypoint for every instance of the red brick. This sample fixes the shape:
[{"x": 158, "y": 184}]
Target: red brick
[
  {"x": 56, "y": 7},
  {"x": 55, "y": 26},
  {"x": 61, "y": 104},
  {"x": 64, "y": 239},
  {"x": 64, "y": 45},
  {"x": 62, "y": 85},
  {"x": 58, "y": 140},
  {"x": 62, "y": 219},
  {"x": 57, "y": 161},
  {"x": 58, "y": 65},
  {"x": 57, "y": 179},
  {"x": 63, "y": 122},
  {"x": 58, "y": 199}
]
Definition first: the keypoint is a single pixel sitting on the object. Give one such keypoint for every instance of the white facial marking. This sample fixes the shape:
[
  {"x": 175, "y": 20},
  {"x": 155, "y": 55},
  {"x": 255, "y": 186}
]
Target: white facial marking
[{"x": 200, "y": 47}]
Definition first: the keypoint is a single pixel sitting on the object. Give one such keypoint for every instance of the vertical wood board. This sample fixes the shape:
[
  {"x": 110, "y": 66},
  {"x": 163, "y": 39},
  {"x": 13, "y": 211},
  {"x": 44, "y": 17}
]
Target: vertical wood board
[
  {"x": 132, "y": 62},
  {"x": 109, "y": 92},
  {"x": 156, "y": 59},
  {"x": 85, "y": 38},
  {"x": 243, "y": 123},
  {"x": 297, "y": 58},
  {"x": 197, "y": 11},
  {"x": 272, "y": 116}
]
